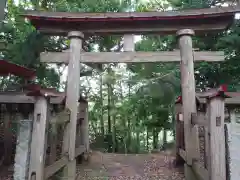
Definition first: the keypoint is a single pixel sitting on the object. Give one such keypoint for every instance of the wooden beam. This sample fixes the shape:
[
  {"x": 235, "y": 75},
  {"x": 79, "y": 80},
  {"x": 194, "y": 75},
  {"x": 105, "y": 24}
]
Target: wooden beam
[
  {"x": 199, "y": 29},
  {"x": 130, "y": 57},
  {"x": 61, "y": 117},
  {"x": 199, "y": 119},
  {"x": 16, "y": 98},
  {"x": 201, "y": 172},
  {"x": 228, "y": 101},
  {"x": 80, "y": 150},
  {"x": 55, "y": 167},
  {"x": 178, "y": 134},
  {"x": 39, "y": 134},
  {"x": 182, "y": 153}
]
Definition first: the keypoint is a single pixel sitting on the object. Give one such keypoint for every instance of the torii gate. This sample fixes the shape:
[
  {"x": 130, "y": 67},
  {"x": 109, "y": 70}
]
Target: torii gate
[{"x": 182, "y": 23}]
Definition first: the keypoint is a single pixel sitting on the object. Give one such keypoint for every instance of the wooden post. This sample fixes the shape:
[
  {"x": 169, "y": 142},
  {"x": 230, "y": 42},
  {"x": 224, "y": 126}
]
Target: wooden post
[
  {"x": 207, "y": 140},
  {"x": 85, "y": 128},
  {"x": 217, "y": 168},
  {"x": 39, "y": 137},
  {"x": 8, "y": 117},
  {"x": 188, "y": 94},
  {"x": 73, "y": 84},
  {"x": 53, "y": 142},
  {"x": 178, "y": 134}
]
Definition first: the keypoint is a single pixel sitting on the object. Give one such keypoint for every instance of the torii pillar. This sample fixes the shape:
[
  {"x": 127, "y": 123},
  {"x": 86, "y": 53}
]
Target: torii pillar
[
  {"x": 188, "y": 96},
  {"x": 73, "y": 84}
]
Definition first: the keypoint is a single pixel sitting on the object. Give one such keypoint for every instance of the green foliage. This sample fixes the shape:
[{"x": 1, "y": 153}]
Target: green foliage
[{"x": 134, "y": 103}]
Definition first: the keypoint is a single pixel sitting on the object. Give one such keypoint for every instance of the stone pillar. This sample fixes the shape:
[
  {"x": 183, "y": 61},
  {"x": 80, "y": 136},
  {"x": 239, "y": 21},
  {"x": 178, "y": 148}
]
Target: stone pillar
[
  {"x": 21, "y": 163},
  {"x": 24, "y": 118},
  {"x": 73, "y": 85},
  {"x": 188, "y": 95}
]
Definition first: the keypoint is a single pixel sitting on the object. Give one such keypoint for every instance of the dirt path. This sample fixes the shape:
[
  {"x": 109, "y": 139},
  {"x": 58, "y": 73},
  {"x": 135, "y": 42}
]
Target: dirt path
[{"x": 106, "y": 166}]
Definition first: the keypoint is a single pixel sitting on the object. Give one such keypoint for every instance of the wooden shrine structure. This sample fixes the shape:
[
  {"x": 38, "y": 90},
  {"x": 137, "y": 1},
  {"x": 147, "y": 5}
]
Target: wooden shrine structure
[
  {"x": 39, "y": 117},
  {"x": 185, "y": 24},
  {"x": 213, "y": 149}
]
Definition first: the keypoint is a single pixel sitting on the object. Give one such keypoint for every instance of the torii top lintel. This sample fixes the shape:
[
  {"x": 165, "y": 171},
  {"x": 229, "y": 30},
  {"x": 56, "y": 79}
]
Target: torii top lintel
[{"x": 168, "y": 22}]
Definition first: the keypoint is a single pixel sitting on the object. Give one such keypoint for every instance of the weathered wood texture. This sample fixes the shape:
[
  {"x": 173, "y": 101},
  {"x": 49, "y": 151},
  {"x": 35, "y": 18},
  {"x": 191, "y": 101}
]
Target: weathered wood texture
[
  {"x": 73, "y": 84},
  {"x": 183, "y": 154},
  {"x": 218, "y": 11},
  {"x": 217, "y": 138},
  {"x": 179, "y": 135},
  {"x": 22, "y": 98},
  {"x": 8, "y": 118},
  {"x": 188, "y": 87},
  {"x": 199, "y": 119},
  {"x": 55, "y": 167},
  {"x": 168, "y": 22},
  {"x": 23, "y": 147},
  {"x": 80, "y": 150},
  {"x": 84, "y": 133},
  {"x": 233, "y": 141},
  {"x": 200, "y": 171},
  {"x": 188, "y": 96},
  {"x": 207, "y": 156},
  {"x": 39, "y": 134},
  {"x": 130, "y": 57},
  {"x": 16, "y": 98},
  {"x": 195, "y": 143}
]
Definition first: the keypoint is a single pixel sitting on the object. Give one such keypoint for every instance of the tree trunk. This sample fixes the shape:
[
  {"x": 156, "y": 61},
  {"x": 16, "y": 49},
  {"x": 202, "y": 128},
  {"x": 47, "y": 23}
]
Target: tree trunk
[
  {"x": 124, "y": 120},
  {"x": 137, "y": 135},
  {"x": 109, "y": 113},
  {"x": 109, "y": 119},
  {"x": 129, "y": 123},
  {"x": 102, "y": 110},
  {"x": 114, "y": 134},
  {"x": 155, "y": 138},
  {"x": 147, "y": 140},
  {"x": 164, "y": 139}
]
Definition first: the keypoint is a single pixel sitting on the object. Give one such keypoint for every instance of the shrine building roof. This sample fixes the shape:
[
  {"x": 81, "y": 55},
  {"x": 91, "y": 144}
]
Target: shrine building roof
[{"x": 7, "y": 68}]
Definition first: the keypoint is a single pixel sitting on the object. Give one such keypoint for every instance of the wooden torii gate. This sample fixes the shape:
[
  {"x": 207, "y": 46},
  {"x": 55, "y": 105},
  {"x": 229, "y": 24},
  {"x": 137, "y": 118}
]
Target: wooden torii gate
[{"x": 182, "y": 23}]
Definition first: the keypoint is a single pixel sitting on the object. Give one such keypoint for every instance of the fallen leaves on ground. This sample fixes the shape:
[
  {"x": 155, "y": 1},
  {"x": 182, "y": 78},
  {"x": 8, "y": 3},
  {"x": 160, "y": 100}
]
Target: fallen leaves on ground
[{"x": 107, "y": 166}]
